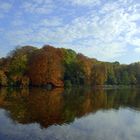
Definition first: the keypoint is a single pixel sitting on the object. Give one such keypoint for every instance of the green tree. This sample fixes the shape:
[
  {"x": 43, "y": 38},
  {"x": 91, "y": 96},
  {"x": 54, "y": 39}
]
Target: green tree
[
  {"x": 74, "y": 73},
  {"x": 19, "y": 65},
  {"x": 111, "y": 79},
  {"x": 125, "y": 78}
]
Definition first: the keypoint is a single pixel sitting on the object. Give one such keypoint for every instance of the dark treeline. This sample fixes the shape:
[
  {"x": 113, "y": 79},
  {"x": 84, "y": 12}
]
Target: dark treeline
[{"x": 49, "y": 66}]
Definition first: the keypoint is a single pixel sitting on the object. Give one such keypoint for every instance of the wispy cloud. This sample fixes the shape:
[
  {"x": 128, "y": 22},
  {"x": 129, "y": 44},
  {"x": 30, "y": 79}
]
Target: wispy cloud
[
  {"x": 50, "y": 22},
  {"x": 38, "y": 6},
  {"x": 104, "y": 31},
  {"x": 17, "y": 22},
  {"x": 4, "y": 8},
  {"x": 85, "y": 2}
]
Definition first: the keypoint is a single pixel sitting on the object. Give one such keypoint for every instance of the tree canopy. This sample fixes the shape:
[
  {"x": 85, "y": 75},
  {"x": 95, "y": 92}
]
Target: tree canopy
[{"x": 58, "y": 67}]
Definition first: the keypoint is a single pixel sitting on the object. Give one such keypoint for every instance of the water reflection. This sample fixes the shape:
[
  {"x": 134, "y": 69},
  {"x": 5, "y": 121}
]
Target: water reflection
[{"x": 62, "y": 113}]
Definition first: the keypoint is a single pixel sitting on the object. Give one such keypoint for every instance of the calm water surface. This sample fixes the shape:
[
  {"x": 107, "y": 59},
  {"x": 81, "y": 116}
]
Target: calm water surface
[{"x": 74, "y": 114}]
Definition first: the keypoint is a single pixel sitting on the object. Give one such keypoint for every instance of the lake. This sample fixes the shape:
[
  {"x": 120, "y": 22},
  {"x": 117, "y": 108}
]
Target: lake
[{"x": 70, "y": 114}]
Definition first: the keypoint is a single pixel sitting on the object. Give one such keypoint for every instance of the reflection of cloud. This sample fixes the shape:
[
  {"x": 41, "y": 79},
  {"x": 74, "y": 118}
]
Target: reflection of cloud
[{"x": 123, "y": 124}]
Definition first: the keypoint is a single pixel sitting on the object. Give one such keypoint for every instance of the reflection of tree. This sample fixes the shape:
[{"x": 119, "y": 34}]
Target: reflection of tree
[
  {"x": 127, "y": 97},
  {"x": 58, "y": 106},
  {"x": 2, "y": 96},
  {"x": 93, "y": 101},
  {"x": 79, "y": 102},
  {"x": 45, "y": 107}
]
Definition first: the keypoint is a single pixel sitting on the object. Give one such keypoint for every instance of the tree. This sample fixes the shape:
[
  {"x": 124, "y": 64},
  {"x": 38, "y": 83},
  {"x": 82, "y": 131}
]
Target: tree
[
  {"x": 69, "y": 56},
  {"x": 3, "y": 79},
  {"x": 46, "y": 67},
  {"x": 133, "y": 80},
  {"x": 111, "y": 78},
  {"x": 87, "y": 65},
  {"x": 125, "y": 78},
  {"x": 99, "y": 74},
  {"x": 57, "y": 67},
  {"x": 74, "y": 73},
  {"x": 19, "y": 64}
]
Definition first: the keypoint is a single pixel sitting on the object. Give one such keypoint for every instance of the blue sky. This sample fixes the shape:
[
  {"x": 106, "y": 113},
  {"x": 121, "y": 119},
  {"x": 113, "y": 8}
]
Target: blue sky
[{"x": 108, "y": 30}]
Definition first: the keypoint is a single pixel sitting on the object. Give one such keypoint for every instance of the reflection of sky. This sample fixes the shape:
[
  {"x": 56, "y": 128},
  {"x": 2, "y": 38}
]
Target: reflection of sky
[{"x": 122, "y": 124}]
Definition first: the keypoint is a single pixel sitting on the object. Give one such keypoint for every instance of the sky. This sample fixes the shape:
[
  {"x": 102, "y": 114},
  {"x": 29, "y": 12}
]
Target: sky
[{"x": 108, "y": 30}]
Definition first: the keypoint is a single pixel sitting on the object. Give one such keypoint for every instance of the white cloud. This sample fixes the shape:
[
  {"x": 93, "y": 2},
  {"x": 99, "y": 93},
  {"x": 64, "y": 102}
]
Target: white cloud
[
  {"x": 137, "y": 50},
  {"x": 20, "y": 37},
  {"x": 49, "y": 22},
  {"x": 85, "y": 2},
  {"x": 4, "y": 8},
  {"x": 1, "y": 29},
  {"x": 17, "y": 22},
  {"x": 104, "y": 32},
  {"x": 104, "y": 51},
  {"x": 135, "y": 42},
  {"x": 34, "y": 32},
  {"x": 108, "y": 31},
  {"x": 38, "y": 6},
  {"x": 103, "y": 36}
]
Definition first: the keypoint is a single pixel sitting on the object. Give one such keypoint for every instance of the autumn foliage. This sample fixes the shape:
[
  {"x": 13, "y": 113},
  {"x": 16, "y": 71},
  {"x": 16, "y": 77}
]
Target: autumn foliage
[
  {"x": 59, "y": 67},
  {"x": 45, "y": 67}
]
